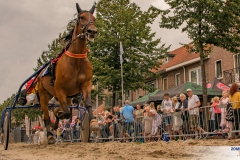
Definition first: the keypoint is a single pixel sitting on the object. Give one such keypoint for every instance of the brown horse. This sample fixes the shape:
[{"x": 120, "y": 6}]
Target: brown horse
[{"x": 73, "y": 73}]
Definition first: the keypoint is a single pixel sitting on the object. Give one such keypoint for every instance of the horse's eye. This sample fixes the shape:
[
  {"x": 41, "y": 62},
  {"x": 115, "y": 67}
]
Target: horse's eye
[{"x": 81, "y": 17}]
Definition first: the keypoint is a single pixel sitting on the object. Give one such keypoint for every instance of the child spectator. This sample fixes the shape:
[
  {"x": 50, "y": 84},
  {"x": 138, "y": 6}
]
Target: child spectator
[
  {"x": 224, "y": 100},
  {"x": 212, "y": 120},
  {"x": 217, "y": 111}
]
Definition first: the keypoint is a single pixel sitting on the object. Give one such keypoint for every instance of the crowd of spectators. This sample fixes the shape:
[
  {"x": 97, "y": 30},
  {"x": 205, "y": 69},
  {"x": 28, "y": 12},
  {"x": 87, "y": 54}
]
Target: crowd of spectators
[{"x": 179, "y": 117}]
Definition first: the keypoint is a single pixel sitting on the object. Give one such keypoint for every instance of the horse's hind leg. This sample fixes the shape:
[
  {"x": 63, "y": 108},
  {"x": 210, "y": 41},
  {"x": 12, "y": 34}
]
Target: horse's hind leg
[{"x": 44, "y": 99}]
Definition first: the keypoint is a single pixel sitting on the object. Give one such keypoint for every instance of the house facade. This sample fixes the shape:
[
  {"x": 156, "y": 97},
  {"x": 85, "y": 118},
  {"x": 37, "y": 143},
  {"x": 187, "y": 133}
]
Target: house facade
[{"x": 181, "y": 67}]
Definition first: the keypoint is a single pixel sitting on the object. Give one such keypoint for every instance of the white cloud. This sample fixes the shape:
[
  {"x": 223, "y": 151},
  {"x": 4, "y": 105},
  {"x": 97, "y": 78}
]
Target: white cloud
[{"x": 160, "y": 4}]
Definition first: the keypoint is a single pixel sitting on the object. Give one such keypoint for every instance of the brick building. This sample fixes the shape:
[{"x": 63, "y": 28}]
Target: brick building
[{"x": 180, "y": 67}]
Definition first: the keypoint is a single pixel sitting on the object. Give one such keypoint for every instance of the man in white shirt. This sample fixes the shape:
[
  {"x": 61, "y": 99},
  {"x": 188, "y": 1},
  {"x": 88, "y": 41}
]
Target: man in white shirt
[{"x": 193, "y": 108}]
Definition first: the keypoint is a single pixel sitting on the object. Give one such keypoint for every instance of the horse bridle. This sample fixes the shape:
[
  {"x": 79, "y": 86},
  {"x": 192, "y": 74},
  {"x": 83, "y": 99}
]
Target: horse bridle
[{"x": 83, "y": 29}]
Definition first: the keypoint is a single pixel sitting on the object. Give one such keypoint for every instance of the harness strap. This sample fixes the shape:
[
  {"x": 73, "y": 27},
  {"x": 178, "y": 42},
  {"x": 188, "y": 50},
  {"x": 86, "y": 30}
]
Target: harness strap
[{"x": 76, "y": 55}]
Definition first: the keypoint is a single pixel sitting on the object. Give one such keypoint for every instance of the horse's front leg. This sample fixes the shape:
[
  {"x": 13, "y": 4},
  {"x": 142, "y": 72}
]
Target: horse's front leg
[
  {"x": 58, "y": 111},
  {"x": 88, "y": 104},
  {"x": 63, "y": 112}
]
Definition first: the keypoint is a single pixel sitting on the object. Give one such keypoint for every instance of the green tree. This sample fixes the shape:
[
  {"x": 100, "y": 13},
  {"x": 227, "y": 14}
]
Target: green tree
[
  {"x": 122, "y": 21},
  {"x": 207, "y": 22},
  {"x": 5, "y": 104}
]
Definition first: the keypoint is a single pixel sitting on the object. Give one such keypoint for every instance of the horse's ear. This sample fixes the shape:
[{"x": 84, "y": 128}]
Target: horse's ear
[
  {"x": 92, "y": 9},
  {"x": 78, "y": 8}
]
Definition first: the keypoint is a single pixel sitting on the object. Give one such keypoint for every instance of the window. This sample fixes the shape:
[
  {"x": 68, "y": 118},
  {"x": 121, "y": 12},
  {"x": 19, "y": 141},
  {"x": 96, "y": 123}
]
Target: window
[
  {"x": 137, "y": 94},
  {"x": 177, "y": 79},
  {"x": 218, "y": 69},
  {"x": 109, "y": 100},
  {"x": 128, "y": 95},
  {"x": 236, "y": 62},
  {"x": 195, "y": 76},
  {"x": 151, "y": 84},
  {"x": 237, "y": 67},
  {"x": 165, "y": 60},
  {"x": 164, "y": 85}
]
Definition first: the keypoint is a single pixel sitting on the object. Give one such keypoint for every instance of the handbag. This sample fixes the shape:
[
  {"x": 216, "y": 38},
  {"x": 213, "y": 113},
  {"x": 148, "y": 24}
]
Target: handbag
[{"x": 229, "y": 116}]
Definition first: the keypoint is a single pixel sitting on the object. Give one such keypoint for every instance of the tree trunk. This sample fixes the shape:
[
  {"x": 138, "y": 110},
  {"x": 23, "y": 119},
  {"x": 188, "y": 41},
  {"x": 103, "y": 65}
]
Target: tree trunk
[{"x": 204, "y": 89}]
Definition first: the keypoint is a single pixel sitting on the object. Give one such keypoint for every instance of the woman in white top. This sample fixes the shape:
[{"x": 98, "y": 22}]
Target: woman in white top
[{"x": 147, "y": 123}]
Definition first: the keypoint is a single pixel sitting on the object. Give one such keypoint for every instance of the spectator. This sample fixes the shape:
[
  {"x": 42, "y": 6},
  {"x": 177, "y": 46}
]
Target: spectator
[
  {"x": 31, "y": 140},
  {"x": 234, "y": 98},
  {"x": 159, "y": 110},
  {"x": 76, "y": 128},
  {"x": 193, "y": 107},
  {"x": 177, "y": 120},
  {"x": 108, "y": 127},
  {"x": 36, "y": 135},
  {"x": 127, "y": 115},
  {"x": 138, "y": 120},
  {"x": 103, "y": 113},
  {"x": 147, "y": 123},
  {"x": 156, "y": 121},
  {"x": 41, "y": 136},
  {"x": 167, "y": 109},
  {"x": 212, "y": 120},
  {"x": 100, "y": 119},
  {"x": 116, "y": 110},
  {"x": 183, "y": 104},
  {"x": 152, "y": 105},
  {"x": 217, "y": 111},
  {"x": 224, "y": 100},
  {"x": 229, "y": 119},
  {"x": 117, "y": 124}
]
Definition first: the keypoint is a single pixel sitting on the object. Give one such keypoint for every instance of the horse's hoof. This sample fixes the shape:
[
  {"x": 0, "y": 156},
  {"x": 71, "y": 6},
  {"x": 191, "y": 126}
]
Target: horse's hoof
[
  {"x": 60, "y": 114},
  {"x": 51, "y": 140},
  {"x": 94, "y": 125}
]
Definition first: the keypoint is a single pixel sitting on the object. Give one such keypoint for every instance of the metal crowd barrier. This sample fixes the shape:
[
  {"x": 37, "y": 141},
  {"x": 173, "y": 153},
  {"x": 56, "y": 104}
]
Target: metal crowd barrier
[{"x": 209, "y": 125}]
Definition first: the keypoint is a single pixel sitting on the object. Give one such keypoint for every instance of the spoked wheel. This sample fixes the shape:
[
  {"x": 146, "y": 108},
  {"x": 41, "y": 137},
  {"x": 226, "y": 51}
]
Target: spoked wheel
[
  {"x": 6, "y": 128},
  {"x": 85, "y": 128}
]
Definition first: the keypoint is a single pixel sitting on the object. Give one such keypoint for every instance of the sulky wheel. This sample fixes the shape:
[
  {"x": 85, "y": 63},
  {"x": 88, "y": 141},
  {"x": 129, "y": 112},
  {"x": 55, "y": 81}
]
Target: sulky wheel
[
  {"x": 6, "y": 129},
  {"x": 85, "y": 128}
]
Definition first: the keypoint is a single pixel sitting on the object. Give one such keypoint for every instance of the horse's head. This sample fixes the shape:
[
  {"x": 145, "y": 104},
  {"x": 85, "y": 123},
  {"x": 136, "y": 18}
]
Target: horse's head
[{"x": 86, "y": 22}]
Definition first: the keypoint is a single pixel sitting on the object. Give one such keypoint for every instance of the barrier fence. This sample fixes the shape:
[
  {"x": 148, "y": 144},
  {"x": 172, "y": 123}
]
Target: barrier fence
[{"x": 175, "y": 126}]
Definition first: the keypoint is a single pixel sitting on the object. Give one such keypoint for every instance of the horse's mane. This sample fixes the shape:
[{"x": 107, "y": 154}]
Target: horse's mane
[
  {"x": 68, "y": 37},
  {"x": 70, "y": 28}
]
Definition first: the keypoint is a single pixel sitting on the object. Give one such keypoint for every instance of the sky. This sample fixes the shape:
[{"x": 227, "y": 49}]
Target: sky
[{"x": 28, "y": 26}]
